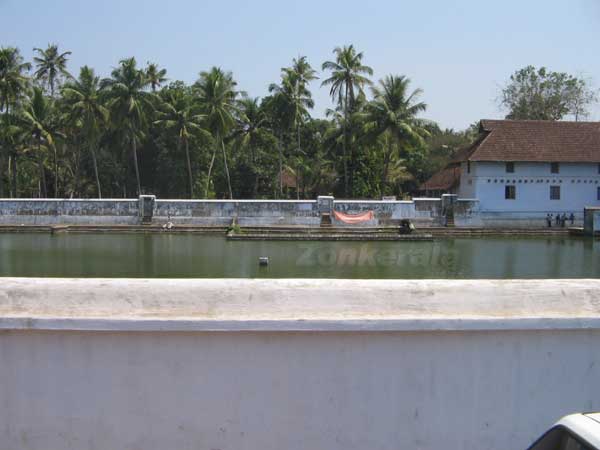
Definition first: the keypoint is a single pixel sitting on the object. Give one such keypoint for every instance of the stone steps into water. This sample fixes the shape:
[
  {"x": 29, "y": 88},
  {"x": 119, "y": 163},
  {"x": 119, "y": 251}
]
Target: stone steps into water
[{"x": 328, "y": 237}]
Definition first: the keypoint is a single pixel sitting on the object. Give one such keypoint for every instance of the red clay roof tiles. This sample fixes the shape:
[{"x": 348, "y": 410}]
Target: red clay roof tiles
[
  {"x": 536, "y": 140},
  {"x": 443, "y": 180}
]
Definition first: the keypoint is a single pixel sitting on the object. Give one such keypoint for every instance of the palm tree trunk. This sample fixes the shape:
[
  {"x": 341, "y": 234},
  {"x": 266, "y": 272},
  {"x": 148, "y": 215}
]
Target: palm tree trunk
[
  {"x": 226, "y": 170},
  {"x": 135, "y": 164},
  {"x": 9, "y": 170},
  {"x": 255, "y": 187},
  {"x": 210, "y": 167},
  {"x": 77, "y": 178},
  {"x": 280, "y": 166},
  {"x": 42, "y": 187},
  {"x": 15, "y": 174},
  {"x": 345, "y": 155},
  {"x": 1, "y": 173},
  {"x": 298, "y": 166},
  {"x": 95, "y": 161},
  {"x": 55, "y": 156},
  {"x": 386, "y": 165},
  {"x": 189, "y": 167}
]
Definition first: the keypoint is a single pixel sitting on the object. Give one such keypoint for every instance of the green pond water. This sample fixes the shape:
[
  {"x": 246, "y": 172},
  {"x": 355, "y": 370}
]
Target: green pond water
[{"x": 188, "y": 255}]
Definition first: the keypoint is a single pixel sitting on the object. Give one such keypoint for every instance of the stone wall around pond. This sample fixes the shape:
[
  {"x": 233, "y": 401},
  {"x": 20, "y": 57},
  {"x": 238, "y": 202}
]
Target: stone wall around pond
[
  {"x": 67, "y": 211},
  {"x": 424, "y": 212}
]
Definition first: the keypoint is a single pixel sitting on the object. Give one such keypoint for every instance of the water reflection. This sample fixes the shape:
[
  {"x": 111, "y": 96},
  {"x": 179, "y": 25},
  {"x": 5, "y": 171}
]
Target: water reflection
[{"x": 188, "y": 255}]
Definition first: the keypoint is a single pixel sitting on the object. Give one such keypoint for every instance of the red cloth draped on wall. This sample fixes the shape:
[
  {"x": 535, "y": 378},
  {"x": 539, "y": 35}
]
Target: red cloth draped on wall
[{"x": 353, "y": 218}]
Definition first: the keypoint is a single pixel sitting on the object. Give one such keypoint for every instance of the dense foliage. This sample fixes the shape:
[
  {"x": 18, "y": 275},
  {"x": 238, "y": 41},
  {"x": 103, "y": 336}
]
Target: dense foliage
[
  {"x": 541, "y": 94},
  {"x": 81, "y": 135}
]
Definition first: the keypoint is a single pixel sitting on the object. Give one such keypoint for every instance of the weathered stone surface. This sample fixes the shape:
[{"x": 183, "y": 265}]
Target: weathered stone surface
[
  {"x": 424, "y": 212},
  {"x": 293, "y": 364}
]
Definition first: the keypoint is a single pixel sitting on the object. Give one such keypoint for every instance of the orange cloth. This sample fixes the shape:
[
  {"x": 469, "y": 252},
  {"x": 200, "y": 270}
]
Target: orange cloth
[{"x": 353, "y": 218}]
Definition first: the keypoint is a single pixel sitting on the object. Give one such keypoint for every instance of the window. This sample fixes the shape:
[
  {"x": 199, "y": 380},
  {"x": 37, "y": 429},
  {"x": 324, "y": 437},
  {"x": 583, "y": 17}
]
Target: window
[
  {"x": 510, "y": 192},
  {"x": 554, "y": 167},
  {"x": 598, "y": 167},
  {"x": 554, "y": 192},
  {"x": 468, "y": 166},
  {"x": 598, "y": 194},
  {"x": 510, "y": 167}
]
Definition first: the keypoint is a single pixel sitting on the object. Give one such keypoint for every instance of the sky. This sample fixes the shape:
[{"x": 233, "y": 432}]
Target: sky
[{"x": 460, "y": 52}]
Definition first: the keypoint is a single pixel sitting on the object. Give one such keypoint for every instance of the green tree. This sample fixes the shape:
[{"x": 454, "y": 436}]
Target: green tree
[
  {"x": 217, "y": 99},
  {"x": 38, "y": 117},
  {"x": 83, "y": 98},
  {"x": 156, "y": 76},
  {"x": 541, "y": 94},
  {"x": 347, "y": 80},
  {"x": 51, "y": 66},
  {"x": 13, "y": 85},
  {"x": 298, "y": 100},
  {"x": 279, "y": 120},
  {"x": 130, "y": 105},
  {"x": 394, "y": 113},
  {"x": 251, "y": 131},
  {"x": 180, "y": 114}
]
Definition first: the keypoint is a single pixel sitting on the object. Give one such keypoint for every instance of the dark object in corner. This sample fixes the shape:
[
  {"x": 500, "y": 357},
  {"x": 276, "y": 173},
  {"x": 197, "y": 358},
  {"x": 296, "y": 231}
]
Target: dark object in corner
[{"x": 406, "y": 227}]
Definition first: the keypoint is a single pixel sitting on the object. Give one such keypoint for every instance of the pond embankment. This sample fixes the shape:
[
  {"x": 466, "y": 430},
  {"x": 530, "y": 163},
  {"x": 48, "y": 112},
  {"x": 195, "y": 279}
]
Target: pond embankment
[{"x": 148, "y": 210}]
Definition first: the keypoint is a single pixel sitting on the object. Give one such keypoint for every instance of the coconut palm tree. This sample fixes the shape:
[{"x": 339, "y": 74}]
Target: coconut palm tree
[
  {"x": 38, "y": 118},
  {"x": 251, "y": 129},
  {"x": 217, "y": 100},
  {"x": 301, "y": 74},
  {"x": 130, "y": 104},
  {"x": 83, "y": 98},
  {"x": 51, "y": 65},
  {"x": 156, "y": 77},
  {"x": 179, "y": 114},
  {"x": 13, "y": 77},
  {"x": 297, "y": 99},
  {"x": 347, "y": 80},
  {"x": 279, "y": 120},
  {"x": 13, "y": 85},
  {"x": 393, "y": 111}
]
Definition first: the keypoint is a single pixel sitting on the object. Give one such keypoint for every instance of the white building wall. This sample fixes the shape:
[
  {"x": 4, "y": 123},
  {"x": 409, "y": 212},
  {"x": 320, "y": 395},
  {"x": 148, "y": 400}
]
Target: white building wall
[
  {"x": 427, "y": 390},
  {"x": 468, "y": 179},
  {"x": 579, "y": 183},
  {"x": 293, "y": 364}
]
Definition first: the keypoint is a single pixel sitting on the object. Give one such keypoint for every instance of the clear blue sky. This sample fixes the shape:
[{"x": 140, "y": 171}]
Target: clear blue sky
[{"x": 459, "y": 52}]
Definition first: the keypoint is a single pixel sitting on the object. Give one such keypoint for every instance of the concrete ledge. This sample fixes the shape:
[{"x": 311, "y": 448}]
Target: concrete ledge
[{"x": 297, "y": 305}]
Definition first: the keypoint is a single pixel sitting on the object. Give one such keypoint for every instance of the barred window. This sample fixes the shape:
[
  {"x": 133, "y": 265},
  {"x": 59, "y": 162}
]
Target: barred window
[
  {"x": 510, "y": 192},
  {"x": 554, "y": 192},
  {"x": 510, "y": 167},
  {"x": 554, "y": 167}
]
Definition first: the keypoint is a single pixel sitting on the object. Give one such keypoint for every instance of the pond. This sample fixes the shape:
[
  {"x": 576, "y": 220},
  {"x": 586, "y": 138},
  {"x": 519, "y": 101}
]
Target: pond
[{"x": 191, "y": 255}]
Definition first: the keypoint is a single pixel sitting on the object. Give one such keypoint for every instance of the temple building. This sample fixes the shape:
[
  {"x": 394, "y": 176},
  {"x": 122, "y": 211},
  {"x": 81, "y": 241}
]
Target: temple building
[{"x": 527, "y": 168}]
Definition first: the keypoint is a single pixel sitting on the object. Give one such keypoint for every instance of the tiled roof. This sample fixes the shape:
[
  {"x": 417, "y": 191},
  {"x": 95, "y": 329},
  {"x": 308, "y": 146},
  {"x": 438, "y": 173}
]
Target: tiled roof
[
  {"x": 443, "y": 180},
  {"x": 288, "y": 179},
  {"x": 536, "y": 140}
]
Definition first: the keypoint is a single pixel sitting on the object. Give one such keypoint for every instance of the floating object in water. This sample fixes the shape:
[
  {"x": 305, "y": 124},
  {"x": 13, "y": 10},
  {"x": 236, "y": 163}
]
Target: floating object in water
[{"x": 263, "y": 261}]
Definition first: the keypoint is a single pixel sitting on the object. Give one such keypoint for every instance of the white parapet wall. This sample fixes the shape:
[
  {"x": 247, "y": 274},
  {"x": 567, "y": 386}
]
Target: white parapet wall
[
  {"x": 293, "y": 364},
  {"x": 424, "y": 212}
]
